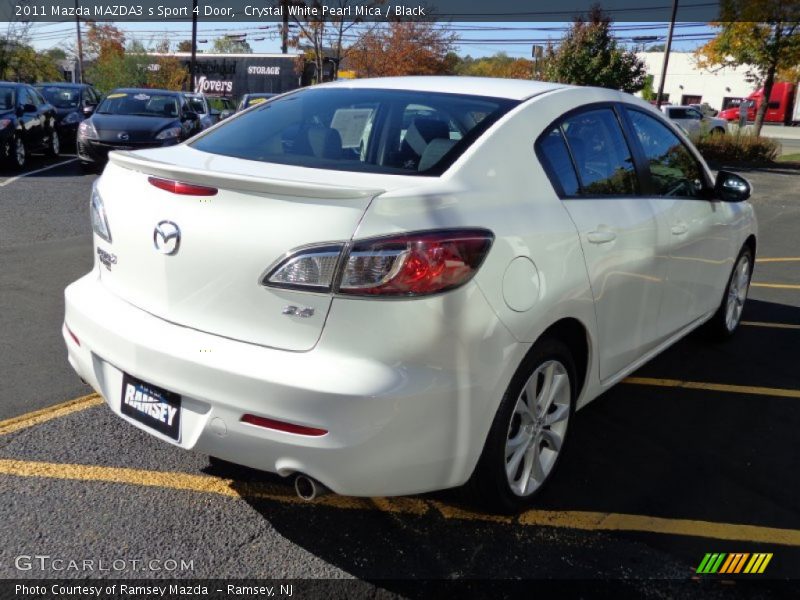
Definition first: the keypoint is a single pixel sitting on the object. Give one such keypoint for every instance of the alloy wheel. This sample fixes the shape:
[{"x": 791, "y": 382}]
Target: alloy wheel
[
  {"x": 19, "y": 152},
  {"x": 55, "y": 144},
  {"x": 737, "y": 293},
  {"x": 537, "y": 428}
]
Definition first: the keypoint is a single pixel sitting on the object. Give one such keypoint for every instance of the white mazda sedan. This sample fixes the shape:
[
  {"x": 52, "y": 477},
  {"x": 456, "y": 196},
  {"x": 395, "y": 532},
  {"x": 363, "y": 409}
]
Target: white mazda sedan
[{"x": 398, "y": 285}]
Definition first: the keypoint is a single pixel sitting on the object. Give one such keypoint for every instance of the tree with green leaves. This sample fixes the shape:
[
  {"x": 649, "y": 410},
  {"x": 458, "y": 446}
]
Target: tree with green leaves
[
  {"x": 231, "y": 45},
  {"x": 763, "y": 36},
  {"x": 588, "y": 54}
]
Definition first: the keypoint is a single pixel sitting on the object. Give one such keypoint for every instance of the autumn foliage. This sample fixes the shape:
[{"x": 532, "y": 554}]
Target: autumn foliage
[{"x": 403, "y": 48}]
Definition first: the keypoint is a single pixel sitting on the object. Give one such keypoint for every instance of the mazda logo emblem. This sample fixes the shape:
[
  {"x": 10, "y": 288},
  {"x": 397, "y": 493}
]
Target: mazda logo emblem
[
  {"x": 123, "y": 136},
  {"x": 167, "y": 238}
]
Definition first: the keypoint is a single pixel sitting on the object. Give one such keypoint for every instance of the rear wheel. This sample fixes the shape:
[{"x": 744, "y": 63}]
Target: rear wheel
[
  {"x": 527, "y": 436},
  {"x": 726, "y": 320}
]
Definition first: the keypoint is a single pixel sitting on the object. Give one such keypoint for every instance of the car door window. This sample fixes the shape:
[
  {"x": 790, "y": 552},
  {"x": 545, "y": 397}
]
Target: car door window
[
  {"x": 23, "y": 97},
  {"x": 674, "y": 171},
  {"x": 678, "y": 113},
  {"x": 554, "y": 155},
  {"x": 36, "y": 98},
  {"x": 693, "y": 114},
  {"x": 600, "y": 153}
]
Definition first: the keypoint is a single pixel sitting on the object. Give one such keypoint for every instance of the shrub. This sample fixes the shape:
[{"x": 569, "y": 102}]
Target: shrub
[{"x": 734, "y": 148}]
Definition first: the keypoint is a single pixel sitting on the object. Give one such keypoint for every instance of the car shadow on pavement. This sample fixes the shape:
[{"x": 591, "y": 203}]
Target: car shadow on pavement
[{"x": 669, "y": 452}]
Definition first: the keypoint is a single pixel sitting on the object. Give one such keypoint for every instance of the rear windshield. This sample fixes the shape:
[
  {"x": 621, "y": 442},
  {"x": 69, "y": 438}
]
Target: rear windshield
[
  {"x": 383, "y": 131},
  {"x": 139, "y": 103},
  {"x": 61, "y": 97}
]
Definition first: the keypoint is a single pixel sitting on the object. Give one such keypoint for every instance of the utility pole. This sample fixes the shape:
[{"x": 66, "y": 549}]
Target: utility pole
[
  {"x": 284, "y": 28},
  {"x": 80, "y": 43},
  {"x": 193, "y": 61},
  {"x": 667, "y": 49}
]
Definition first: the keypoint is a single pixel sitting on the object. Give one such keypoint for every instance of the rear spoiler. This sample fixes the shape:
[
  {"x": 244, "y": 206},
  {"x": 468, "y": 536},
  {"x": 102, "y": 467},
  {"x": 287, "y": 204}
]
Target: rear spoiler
[{"x": 242, "y": 183}]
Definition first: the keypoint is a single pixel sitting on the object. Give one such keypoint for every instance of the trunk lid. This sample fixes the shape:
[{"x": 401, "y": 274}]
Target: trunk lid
[{"x": 227, "y": 241}]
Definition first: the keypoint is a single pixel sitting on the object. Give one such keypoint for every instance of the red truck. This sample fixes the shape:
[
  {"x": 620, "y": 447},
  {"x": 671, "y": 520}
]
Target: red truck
[{"x": 783, "y": 107}]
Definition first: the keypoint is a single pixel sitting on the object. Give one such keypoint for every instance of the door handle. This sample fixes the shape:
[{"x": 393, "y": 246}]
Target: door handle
[
  {"x": 680, "y": 229},
  {"x": 601, "y": 237}
]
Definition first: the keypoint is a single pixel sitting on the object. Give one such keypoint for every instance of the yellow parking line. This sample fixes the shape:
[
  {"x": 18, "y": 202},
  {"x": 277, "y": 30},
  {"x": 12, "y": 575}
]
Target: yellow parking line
[
  {"x": 778, "y": 260},
  {"x": 771, "y": 325},
  {"x": 714, "y": 387},
  {"x": 587, "y": 521},
  {"x": 777, "y": 286},
  {"x": 46, "y": 414}
]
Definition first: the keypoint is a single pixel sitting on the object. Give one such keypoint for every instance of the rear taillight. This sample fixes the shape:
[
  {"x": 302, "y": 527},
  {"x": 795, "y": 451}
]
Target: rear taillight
[
  {"x": 414, "y": 264},
  {"x": 179, "y": 187}
]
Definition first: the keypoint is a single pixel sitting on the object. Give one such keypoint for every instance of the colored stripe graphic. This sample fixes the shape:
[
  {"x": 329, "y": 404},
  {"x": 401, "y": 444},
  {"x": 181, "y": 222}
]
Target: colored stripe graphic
[{"x": 734, "y": 563}]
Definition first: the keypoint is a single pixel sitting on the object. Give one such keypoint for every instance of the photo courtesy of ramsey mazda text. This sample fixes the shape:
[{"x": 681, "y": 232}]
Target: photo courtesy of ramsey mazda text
[{"x": 392, "y": 286}]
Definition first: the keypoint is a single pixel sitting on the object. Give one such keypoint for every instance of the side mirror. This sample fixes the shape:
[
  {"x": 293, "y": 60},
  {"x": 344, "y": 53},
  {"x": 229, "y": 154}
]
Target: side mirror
[
  {"x": 29, "y": 108},
  {"x": 730, "y": 187},
  {"x": 88, "y": 110}
]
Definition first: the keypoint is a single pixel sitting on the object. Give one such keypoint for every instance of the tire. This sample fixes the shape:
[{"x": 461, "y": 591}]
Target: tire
[
  {"x": 726, "y": 320},
  {"x": 533, "y": 442},
  {"x": 18, "y": 153},
  {"x": 54, "y": 147}
]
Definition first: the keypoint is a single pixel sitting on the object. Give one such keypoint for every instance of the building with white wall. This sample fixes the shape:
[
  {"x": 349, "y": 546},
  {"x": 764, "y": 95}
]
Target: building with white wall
[{"x": 687, "y": 83}]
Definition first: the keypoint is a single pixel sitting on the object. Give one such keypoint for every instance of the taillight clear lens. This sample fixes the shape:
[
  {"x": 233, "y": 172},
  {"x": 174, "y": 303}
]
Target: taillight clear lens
[
  {"x": 311, "y": 268},
  {"x": 98, "y": 212},
  {"x": 414, "y": 264}
]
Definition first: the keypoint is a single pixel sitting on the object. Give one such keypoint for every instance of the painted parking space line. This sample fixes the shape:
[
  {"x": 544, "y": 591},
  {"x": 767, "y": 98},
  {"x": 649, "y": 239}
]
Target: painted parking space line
[
  {"x": 42, "y": 170},
  {"x": 777, "y": 286},
  {"x": 47, "y": 414},
  {"x": 769, "y": 325},
  {"x": 578, "y": 520},
  {"x": 778, "y": 260},
  {"x": 713, "y": 387}
]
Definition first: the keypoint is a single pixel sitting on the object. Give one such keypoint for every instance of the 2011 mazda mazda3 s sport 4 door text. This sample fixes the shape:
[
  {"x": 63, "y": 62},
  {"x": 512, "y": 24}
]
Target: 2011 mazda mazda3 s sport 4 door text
[{"x": 399, "y": 285}]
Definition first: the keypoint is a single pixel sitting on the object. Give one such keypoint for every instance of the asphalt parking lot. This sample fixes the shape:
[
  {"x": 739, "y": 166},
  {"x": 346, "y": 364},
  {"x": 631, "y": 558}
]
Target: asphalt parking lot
[{"x": 695, "y": 454}]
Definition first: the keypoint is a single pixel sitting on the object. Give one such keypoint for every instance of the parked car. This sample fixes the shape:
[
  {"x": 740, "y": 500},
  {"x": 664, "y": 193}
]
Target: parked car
[
  {"x": 693, "y": 121},
  {"x": 132, "y": 119},
  {"x": 73, "y": 102},
  {"x": 705, "y": 109},
  {"x": 249, "y": 100},
  {"x": 198, "y": 103},
  {"x": 221, "y": 107},
  {"x": 27, "y": 124},
  {"x": 390, "y": 311}
]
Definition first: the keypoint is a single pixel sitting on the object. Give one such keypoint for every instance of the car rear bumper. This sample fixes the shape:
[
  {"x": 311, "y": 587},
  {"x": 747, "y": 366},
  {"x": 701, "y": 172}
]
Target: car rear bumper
[{"x": 394, "y": 426}]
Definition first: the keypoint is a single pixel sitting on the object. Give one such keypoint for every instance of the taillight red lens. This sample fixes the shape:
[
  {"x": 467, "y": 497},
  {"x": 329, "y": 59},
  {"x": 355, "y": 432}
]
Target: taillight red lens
[
  {"x": 179, "y": 187},
  {"x": 282, "y": 426},
  {"x": 414, "y": 264}
]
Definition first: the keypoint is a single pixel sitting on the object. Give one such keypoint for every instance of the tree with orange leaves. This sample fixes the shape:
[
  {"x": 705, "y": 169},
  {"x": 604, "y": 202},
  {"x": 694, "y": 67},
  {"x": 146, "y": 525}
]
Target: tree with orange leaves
[{"x": 403, "y": 48}]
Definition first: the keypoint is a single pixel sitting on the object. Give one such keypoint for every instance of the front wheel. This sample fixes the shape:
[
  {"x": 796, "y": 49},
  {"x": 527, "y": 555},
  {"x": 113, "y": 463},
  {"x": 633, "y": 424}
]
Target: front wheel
[
  {"x": 54, "y": 147},
  {"x": 726, "y": 320},
  {"x": 528, "y": 433}
]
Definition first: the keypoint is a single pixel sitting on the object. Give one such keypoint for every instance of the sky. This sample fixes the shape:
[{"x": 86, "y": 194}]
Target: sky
[{"x": 476, "y": 39}]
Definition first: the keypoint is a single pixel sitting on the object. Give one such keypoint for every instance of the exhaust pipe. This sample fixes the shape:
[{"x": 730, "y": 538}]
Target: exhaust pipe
[{"x": 308, "y": 488}]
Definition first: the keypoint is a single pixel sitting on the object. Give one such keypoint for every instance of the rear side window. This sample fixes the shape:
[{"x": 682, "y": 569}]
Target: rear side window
[
  {"x": 384, "y": 131},
  {"x": 555, "y": 157},
  {"x": 601, "y": 155}
]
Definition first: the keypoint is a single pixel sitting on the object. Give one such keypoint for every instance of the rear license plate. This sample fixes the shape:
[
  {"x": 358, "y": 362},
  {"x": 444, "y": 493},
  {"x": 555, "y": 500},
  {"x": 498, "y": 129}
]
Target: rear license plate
[{"x": 151, "y": 406}]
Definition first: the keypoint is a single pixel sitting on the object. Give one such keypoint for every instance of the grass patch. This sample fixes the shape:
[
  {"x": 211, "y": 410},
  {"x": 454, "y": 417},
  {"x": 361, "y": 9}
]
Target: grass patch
[
  {"x": 790, "y": 157},
  {"x": 731, "y": 149}
]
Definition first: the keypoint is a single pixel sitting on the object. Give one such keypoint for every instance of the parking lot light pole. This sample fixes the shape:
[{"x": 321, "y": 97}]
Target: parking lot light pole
[{"x": 667, "y": 49}]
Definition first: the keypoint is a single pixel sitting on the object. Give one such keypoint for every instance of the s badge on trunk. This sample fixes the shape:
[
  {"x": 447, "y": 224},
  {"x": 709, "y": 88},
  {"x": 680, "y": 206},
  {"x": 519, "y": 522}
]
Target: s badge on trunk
[{"x": 167, "y": 238}]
